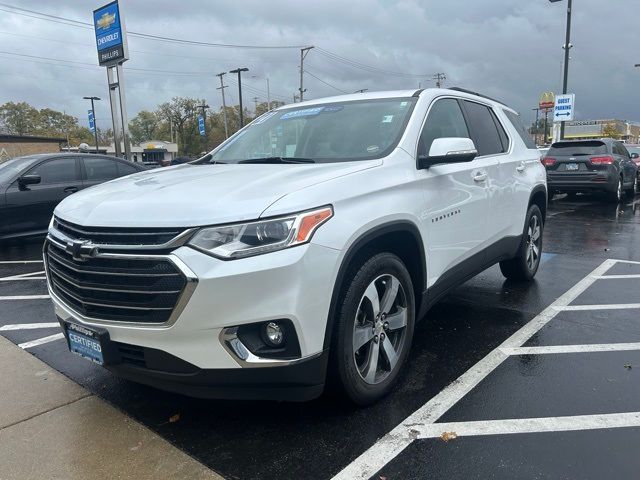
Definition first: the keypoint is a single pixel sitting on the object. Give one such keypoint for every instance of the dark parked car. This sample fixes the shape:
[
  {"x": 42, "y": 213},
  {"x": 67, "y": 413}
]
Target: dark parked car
[
  {"x": 32, "y": 186},
  {"x": 591, "y": 165},
  {"x": 634, "y": 150}
]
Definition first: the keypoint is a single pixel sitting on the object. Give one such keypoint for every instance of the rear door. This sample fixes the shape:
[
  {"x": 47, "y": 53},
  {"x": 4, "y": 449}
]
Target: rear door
[
  {"x": 97, "y": 169},
  {"x": 492, "y": 144},
  {"x": 626, "y": 165},
  {"x": 60, "y": 177}
]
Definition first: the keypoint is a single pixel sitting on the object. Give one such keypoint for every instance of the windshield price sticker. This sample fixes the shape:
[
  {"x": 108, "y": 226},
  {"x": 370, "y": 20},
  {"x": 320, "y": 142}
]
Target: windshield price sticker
[{"x": 307, "y": 112}]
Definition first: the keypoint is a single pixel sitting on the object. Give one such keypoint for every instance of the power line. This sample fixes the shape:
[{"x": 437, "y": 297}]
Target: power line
[
  {"x": 77, "y": 23},
  {"x": 363, "y": 66},
  {"x": 322, "y": 81}
]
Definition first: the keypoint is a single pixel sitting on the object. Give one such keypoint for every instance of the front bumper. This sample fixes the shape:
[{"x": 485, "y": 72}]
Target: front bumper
[{"x": 294, "y": 284}]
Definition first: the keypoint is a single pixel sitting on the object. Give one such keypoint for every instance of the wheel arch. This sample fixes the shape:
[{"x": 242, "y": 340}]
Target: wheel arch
[
  {"x": 539, "y": 197},
  {"x": 402, "y": 238}
]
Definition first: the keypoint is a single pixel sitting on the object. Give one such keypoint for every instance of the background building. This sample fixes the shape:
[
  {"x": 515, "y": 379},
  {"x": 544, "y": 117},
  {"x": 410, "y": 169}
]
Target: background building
[
  {"x": 19, "y": 145},
  {"x": 585, "y": 129}
]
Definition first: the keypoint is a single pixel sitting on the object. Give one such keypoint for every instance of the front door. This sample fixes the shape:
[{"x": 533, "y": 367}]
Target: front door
[
  {"x": 456, "y": 199},
  {"x": 31, "y": 207}
]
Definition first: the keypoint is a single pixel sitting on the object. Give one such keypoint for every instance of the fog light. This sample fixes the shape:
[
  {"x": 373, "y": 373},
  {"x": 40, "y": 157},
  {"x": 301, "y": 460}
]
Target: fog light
[{"x": 273, "y": 334}]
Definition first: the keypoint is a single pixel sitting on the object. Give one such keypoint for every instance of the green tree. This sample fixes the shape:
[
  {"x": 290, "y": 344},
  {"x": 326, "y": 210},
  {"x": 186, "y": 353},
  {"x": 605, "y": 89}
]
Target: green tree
[
  {"x": 144, "y": 126},
  {"x": 53, "y": 123},
  {"x": 182, "y": 112},
  {"x": 609, "y": 130},
  {"x": 18, "y": 118}
]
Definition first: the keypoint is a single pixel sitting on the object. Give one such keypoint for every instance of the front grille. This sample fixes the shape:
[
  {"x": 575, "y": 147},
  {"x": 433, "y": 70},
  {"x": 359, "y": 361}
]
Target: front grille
[
  {"x": 144, "y": 290},
  {"x": 147, "y": 237}
]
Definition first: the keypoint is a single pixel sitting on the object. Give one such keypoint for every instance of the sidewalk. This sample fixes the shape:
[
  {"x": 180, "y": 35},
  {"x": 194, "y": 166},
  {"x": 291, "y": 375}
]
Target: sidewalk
[{"x": 52, "y": 428}]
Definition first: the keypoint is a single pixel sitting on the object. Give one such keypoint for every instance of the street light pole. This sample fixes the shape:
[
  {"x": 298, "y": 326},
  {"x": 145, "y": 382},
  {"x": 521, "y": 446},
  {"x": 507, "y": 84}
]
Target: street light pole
[
  {"x": 537, "y": 110},
  {"x": 567, "y": 47},
  {"x": 95, "y": 124},
  {"x": 239, "y": 72}
]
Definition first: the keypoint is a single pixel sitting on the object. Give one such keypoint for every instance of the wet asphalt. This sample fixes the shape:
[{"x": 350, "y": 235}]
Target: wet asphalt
[{"x": 267, "y": 440}]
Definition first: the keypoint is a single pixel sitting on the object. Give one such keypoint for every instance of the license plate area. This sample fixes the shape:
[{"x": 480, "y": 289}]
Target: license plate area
[
  {"x": 86, "y": 342},
  {"x": 572, "y": 166}
]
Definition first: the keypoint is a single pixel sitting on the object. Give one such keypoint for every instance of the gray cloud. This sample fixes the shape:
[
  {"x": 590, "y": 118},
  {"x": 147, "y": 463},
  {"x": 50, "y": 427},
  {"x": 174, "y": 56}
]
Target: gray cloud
[{"x": 509, "y": 49}]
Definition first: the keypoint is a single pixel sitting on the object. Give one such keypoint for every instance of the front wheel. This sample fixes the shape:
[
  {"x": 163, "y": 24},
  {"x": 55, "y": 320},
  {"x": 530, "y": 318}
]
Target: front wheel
[
  {"x": 524, "y": 265},
  {"x": 632, "y": 191},
  {"x": 374, "y": 328}
]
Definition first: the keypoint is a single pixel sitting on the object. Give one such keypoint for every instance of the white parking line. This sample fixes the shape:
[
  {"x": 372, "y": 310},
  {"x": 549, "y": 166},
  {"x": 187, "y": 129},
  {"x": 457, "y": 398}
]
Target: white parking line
[
  {"x": 40, "y": 341},
  {"x": 589, "y": 348},
  {"x": 617, "y": 277},
  {"x": 24, "y": 297},
  {"x": 24, "y": 276},
  {"x": 18, "y": 262},
  {"x": 389, "y": 446},
  {"x": 28, "y": 326},
  {"x": 612, "y": 306},
  {"x": 530, "y": 425}
]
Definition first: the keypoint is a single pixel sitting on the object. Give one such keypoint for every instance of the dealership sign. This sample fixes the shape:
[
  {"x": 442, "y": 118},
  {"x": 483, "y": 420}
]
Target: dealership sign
[{"x": 111, "y": 37}]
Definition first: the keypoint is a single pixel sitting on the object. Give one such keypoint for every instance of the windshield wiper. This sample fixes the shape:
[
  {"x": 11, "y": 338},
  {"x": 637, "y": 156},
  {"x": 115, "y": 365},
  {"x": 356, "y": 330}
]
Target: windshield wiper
[{"x": 278, "y": 160}]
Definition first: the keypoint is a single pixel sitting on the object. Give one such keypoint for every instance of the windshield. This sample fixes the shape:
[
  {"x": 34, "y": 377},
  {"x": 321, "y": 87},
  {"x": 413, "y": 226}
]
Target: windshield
[
  {"x": 356, "y": 130},
  {"x": 578, "y": 148},
  {"x": 9, "y": 168}
]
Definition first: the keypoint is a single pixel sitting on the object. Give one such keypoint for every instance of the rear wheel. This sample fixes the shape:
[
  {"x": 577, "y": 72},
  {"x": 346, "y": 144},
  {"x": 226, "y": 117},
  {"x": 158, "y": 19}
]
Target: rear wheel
[
  {"x": 524, "y": 265},
  {"x": 374, "y": 329},
  {"x": 616, "y": 195}
]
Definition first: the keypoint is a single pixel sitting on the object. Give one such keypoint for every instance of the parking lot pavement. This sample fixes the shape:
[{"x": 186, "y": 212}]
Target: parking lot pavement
[{"x": 524, "y": 380}]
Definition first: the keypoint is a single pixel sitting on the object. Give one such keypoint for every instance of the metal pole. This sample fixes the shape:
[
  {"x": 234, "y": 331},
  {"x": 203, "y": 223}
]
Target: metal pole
[
  {"x": 303, "y": 54},
  {"x": 546, "y": 124},
  {"x": 114, "y": 111},
  {"x": 123, "y": 112},
  {"x": 95, "y": 124},
  {"x": 268, "y": 96},
  {"x": 567, "y": 47},
  {"x": 224, "y": 105},
  {"x": 239, "y": 72}
]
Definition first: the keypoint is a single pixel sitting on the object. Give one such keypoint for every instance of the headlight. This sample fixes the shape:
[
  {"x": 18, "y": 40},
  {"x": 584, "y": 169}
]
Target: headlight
[{"x": 254, "y": 238}]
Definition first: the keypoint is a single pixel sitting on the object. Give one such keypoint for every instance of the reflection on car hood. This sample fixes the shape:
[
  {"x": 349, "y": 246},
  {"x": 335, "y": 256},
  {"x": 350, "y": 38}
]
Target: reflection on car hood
[{"x": 189, "y": 195}]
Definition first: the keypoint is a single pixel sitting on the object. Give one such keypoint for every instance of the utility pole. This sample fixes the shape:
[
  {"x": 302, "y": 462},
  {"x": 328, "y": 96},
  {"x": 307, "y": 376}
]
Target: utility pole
[
  {"x": 255, "y": 101},
  {"x": 439, "y": 78},
  {"x": 268, "y": 96},
  {"x": 303, "y": 54},
  {"x": 239, "y": 72},
  {"x": 95, "y": 124},
  {"x": 224, "y": 105},
  {"x": 295, "y": 98},
  {"x": 567, "y": 46},
  {"x": 537, "y": 110}
]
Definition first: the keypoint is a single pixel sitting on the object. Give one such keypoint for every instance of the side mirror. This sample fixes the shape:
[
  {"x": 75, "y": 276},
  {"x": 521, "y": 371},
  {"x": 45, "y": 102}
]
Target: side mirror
[
  {"x": 448, "y": 150},
  {"x": 635, "y": 155},
  {"x": 28, "y": 180}
]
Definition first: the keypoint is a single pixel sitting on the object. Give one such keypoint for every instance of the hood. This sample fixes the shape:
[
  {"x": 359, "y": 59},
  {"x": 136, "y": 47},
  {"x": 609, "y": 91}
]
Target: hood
[{"x": 195, "y": 195}]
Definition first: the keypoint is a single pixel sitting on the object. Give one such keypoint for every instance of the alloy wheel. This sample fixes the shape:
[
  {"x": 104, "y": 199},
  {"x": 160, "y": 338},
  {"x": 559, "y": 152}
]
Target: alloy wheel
[
  {"x": 619, "y": 190},
  {"x": 379, "y": 331},
  {"x": 534, "y": 242}
]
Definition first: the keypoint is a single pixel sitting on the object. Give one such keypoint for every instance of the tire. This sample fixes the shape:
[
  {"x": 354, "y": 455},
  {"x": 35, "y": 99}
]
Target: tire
[
  {"x": 524, "y": 266},
  {"x": 616, "y": 195},
  {"x": 357, "y": 324},
  {"x": 632, "y": 191}
]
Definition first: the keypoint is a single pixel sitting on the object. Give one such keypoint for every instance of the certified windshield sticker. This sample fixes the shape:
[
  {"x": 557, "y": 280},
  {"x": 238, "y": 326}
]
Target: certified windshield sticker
[
  {"x": 332, "y": 108},
  {"x": 307, "y": 112},
  {"x": 403, "y": 104},
  {"x": 373, "y": 148},
  {"x": 387, "y": 119}
]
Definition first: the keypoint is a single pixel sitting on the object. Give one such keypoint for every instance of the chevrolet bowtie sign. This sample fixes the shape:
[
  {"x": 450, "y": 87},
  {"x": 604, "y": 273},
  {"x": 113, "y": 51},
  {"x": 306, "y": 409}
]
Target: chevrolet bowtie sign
[{"x": 111, "y": 38}]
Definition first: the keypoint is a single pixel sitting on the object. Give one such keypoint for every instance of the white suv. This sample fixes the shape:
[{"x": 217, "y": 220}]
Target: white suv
[{"x": 302, "y": 250}]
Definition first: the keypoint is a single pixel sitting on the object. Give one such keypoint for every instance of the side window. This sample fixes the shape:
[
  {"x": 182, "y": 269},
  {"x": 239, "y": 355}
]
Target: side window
[
  {"x": 516, "y": 121},
  {"x": 484, "y": 132},
  {"x": 124, "y": 169},
  {"x": 504, "y": 138},
  {"x": 625, "y": 152},
  {"x": 60, "y": 170},
  {"x": 97, "y": 168},
  {"x": 445, "y": 120}
]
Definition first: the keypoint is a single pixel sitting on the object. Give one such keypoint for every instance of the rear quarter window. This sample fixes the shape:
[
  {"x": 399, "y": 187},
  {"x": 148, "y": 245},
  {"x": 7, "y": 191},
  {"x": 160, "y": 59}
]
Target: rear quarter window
[{"x": 516, "y": 121}]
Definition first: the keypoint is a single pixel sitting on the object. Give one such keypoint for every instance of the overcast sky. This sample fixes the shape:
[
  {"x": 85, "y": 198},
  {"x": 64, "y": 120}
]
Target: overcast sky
[{"x": 508, "y": 49}]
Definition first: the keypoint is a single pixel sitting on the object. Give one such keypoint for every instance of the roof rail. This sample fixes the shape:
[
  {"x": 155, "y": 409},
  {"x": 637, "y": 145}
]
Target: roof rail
[{"x": 464, "y": 90}]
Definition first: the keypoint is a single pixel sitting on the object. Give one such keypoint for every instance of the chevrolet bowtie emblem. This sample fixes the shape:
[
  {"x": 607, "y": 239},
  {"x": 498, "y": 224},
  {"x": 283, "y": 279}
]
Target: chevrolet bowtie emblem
[
  {"x": 105, "y": 21},
  {"x": 81, "y": 251}
]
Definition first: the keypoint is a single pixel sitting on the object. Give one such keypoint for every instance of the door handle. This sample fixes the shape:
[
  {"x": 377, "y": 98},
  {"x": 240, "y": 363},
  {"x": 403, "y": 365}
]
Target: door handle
[
  {"x": 521, "y": 168},
  {"x": 71, "y": 190},
  {"x": 480, "y": 177}
]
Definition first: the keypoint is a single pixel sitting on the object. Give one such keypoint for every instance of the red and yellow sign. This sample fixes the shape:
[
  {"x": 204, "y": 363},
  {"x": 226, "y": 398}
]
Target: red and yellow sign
[{"x": 547, "y": 101}]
